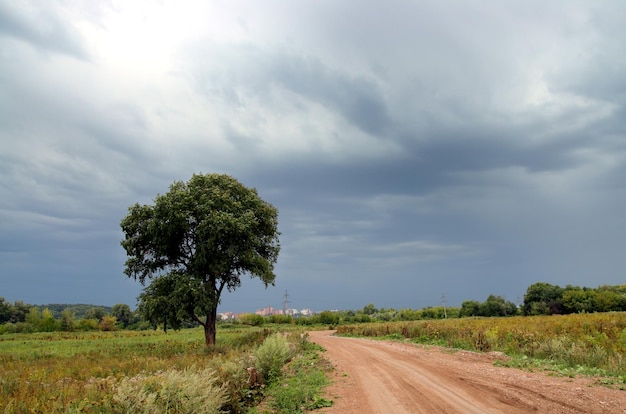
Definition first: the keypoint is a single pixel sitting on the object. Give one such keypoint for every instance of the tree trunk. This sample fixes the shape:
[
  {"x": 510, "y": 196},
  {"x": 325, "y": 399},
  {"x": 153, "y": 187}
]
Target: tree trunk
[{"x": 209, "y": 327}]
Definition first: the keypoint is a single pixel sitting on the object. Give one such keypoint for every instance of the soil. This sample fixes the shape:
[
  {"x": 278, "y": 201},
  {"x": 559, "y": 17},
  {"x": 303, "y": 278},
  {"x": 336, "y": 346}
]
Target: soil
[{"x": 372, "y": 376}]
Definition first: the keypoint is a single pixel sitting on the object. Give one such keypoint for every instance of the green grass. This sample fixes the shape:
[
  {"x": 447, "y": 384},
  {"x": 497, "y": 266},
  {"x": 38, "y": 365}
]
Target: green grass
[{"x": 301, "y": 386}]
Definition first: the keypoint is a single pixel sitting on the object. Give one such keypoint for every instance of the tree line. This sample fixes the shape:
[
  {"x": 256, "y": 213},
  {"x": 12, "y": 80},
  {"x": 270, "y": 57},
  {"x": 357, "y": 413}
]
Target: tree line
[
  {"x": 540, "y": 299},
  {"x": 19, "y": 317}
]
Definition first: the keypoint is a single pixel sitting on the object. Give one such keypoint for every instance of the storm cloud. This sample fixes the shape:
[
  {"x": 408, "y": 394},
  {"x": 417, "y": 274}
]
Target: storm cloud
[{"x": 413, "y": 150}]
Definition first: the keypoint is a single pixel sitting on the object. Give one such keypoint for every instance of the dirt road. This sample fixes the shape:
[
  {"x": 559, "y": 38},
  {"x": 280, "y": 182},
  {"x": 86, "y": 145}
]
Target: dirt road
[{"x": 395, "y": 378}]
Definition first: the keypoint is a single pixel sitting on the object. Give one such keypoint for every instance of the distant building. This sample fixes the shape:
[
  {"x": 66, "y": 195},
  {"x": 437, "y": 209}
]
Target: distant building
[{"x": 267, "y": 311}]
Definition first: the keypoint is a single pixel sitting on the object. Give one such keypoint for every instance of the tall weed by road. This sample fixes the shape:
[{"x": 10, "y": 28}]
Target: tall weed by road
[{"x": 592, "y": 340}]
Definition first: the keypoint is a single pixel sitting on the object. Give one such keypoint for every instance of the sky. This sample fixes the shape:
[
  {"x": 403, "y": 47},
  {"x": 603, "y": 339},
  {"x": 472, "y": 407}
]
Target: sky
[{"x": 419, "y": 153}]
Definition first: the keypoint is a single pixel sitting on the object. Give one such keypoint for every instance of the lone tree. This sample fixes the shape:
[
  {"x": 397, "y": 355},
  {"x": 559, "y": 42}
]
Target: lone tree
[{"x": 197, "y": 239}]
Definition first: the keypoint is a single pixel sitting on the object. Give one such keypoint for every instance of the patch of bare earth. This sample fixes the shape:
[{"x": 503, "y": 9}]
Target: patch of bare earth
[{"x": 391, "y": 377}]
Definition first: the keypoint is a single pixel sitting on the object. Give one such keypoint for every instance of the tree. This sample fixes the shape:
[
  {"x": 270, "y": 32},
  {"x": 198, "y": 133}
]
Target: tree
[
  {"x": 370, "y": 309},
  {"x": 122, "y": 313},
  {"x": 19, "y": 311},
  {"x": 497, "y": 306},
  {"x": 195, "y": 241},
  {"x": 95, "y": 313},
  {"x": 67, "y": 320},
  {"x": 543, "y": 299},
  {"x": 5, "y": 310},
  {"x": 47, "y": 323},
  {"x": 470, "y": 308}
]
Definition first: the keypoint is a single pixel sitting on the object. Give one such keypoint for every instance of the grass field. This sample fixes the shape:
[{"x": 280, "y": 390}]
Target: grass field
[
  {"x": 77, "y": 372},
  {"x": 83, "y": 372}
]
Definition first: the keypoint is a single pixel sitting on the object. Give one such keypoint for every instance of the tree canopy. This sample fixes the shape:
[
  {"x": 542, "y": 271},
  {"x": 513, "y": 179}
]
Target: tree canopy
[{"x": 196, "y": 240}]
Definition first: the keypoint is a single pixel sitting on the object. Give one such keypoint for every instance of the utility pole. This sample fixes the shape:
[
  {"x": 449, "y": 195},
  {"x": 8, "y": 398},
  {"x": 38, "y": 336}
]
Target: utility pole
[
  {"x": 443, "y": 302},
  {"x": 286, "y": 303}
]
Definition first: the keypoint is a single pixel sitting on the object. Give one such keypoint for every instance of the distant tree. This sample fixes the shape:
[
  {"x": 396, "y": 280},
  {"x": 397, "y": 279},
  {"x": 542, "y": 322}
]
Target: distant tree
[
  {"x": 369, "y": 309},
  {"x": 95, "y": 312},
  {"x": 67, "y": 320},
  {"x": 122, "y": 313},
  {"x": 578, "y": 300},
  {"x": 606, "y": 300},
  {"x": 34, "y": 317},
  {"x": 470, "y": 308},
  {"x": 497, "y": 306},
  {"x": 199, "y": 238},
  {"x": 19, "y": 311},
  {"x": 543, "y": 299},
  {"x": 47, "y": 323},
  {"x": 5, "y": 310},
  {"x": 328, "y": 318}
]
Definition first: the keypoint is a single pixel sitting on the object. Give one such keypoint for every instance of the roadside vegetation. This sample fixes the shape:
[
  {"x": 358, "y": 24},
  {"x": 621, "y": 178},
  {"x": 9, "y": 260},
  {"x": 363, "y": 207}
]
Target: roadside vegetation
[
  {"x": 571, "y": 344},
  {"x": 92, "y": 359},
  {"x": 151, "y": 371}
]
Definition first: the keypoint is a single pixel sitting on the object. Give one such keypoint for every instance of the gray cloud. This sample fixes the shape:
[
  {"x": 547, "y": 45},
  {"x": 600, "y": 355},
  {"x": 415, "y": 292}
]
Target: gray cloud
[{"x": 42, "y": 28}]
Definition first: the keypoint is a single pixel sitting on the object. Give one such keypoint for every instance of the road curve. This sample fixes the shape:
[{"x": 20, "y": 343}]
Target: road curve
[{"x": 390, "y": 377}]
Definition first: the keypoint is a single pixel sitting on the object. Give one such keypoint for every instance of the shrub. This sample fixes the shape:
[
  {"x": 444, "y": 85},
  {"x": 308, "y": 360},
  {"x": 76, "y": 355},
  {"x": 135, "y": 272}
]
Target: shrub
[
  {"x": 271, "y": 355},
  {"x": 87, "y": 325},
  {"x": 188, "y": 391},
  {"x": 329, "y": 318},
  {"x": 108, "y": 323},
  {"x": 252, "y": 319}
]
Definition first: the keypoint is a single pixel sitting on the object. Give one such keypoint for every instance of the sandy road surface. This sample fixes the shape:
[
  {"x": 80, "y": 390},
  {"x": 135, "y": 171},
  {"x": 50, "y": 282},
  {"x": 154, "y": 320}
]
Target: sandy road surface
[{"x": 396, "y": 378}]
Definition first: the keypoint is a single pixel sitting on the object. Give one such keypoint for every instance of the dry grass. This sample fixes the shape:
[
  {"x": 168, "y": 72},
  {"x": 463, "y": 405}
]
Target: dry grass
[
  {"x": 80, "y": 372},
  {"x": 595, "y": 340}
]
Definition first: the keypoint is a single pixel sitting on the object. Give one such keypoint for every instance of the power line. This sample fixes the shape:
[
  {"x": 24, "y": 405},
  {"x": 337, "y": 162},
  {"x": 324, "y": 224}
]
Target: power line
[
  {"x": 286, "y": 302},
  {"x": 443, "y": 302}
]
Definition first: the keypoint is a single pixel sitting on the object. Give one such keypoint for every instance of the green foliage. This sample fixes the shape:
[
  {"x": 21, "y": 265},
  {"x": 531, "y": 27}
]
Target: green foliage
[
  {"x": 271, "y": 356},
  {"x": 88, "y": 325},
  {"x": 122, "y": 314},
  {"x": 543, "y": 299},
  {"x": 251, "y": 319},
  {"x": 67, "y": 321},
  {"x": 5, "y": 311},
  {"x": 299, "y": 390},
  {"x": 95, "y": 312},
  {"x": 280, "y": 319},
  {"x": 79, "y": 310},
  {"x": 199, "y": 239},
  {"x": 328, "y": 318},
  {"x": 546, "y": 299},
  {"x": 493, "y": 306},
  {"x": 47, "y": 322},
  {"x": 370, "y": 309}
]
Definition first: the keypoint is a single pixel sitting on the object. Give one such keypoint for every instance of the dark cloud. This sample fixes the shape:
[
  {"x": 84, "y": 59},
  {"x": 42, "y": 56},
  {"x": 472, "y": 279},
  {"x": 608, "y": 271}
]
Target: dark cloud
[{"x": 414, "y": 150}]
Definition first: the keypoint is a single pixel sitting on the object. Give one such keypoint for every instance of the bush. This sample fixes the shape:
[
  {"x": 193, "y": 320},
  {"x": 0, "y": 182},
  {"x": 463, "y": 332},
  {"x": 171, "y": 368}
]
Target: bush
[
  {"x": 271, "y": 355},
  {"x": 187, "y": 391},
  {"x": 252, "y": 319},
  {"x": 88, "y": 325},
  {"x": 108, "y": 323},
  {"x": 329, "y": 318}
]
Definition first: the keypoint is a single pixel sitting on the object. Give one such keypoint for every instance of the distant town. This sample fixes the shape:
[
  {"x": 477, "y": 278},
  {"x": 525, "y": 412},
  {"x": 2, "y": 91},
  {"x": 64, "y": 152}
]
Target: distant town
[{"x": 267, "y": 311}]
